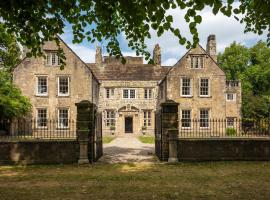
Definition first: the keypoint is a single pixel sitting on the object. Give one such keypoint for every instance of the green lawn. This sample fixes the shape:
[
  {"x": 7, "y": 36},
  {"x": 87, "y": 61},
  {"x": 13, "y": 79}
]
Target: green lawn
[
  {"x": 107, "y": 139},
  {"x": 147, "y": 139},
  {"x": 209, "y": 180}
]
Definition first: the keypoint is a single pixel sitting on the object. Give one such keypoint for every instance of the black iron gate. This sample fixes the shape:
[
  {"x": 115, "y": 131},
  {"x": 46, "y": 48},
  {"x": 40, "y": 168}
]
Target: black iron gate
[
  {"x": 158, "y": 135},
  {"x": 95, "y": 146}
]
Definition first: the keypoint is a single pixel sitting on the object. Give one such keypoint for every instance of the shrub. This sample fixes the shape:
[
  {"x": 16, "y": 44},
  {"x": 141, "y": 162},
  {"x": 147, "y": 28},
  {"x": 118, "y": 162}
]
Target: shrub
[
  {"x": 144, "y": 128},
  {"x": 230, "y": 131}
]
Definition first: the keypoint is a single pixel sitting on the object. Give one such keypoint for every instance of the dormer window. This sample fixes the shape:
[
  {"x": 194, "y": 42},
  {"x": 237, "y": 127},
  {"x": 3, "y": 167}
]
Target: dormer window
[
  {"x": 197, "y": 62},
  {"x": 52, "y": 59}
]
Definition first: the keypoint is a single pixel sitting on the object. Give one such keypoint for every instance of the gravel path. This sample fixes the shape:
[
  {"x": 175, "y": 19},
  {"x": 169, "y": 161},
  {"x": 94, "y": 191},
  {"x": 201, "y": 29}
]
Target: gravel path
[{"x": 127, "y": 149}]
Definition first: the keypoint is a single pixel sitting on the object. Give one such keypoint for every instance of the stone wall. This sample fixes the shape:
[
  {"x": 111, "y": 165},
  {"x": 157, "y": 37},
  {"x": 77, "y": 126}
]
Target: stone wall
[
  {"x": 223, "y": 149},
  {"x": 39, "y": 152}
]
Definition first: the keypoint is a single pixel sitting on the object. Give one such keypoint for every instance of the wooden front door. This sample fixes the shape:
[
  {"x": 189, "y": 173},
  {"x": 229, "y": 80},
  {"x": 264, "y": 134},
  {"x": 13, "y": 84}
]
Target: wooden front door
[{"x": 128, "y": 125}]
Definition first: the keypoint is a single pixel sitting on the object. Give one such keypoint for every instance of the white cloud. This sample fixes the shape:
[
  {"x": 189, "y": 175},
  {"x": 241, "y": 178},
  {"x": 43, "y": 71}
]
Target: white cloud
[
  {"x": 169, "y": 62},
  {"x": 226, "y": 29},
  {"x": 85, "y": 53}
]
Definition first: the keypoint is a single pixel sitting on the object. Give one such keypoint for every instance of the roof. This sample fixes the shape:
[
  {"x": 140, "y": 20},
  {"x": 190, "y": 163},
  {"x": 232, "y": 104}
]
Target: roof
[{"x": 129, "y": 72}]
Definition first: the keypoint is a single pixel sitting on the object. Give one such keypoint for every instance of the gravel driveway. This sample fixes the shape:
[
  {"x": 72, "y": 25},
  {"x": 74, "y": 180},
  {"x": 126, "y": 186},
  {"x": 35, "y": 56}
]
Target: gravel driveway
[{"x": 127, "y": 149}]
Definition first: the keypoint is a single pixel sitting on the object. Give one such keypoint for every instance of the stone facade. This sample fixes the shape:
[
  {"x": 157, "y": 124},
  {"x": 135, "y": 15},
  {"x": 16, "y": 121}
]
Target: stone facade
[
  {"x": 82, "y": 84},
  {"x": 132, "y": 114},
  {"x": 197, "y": 83},
  {"x": 129, "y": 95}
]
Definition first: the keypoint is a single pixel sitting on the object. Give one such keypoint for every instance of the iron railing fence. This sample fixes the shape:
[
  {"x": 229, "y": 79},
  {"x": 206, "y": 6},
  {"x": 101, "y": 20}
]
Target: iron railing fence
[
  {"x": 38, "y": 129},
  {"x": 224, "y": 128}
]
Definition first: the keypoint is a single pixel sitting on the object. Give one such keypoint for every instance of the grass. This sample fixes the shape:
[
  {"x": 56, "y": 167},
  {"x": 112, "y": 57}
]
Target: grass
[
  {"x": 209, "y": 180},
  {"x": 147, "y": 139},
  {"x": 107, "y": 139}
]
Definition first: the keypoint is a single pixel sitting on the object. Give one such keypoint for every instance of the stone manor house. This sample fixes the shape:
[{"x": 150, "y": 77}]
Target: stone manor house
[{"x": 128, "y": 95}]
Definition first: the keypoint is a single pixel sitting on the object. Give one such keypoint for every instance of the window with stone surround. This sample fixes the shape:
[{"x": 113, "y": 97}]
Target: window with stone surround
[
  {"x": 148, "y": 93},
  {"x": 42, "y": 86},
  {"x": 110, "y": 118},
  {"x": 204, "y": 118},
  {"x": 186, "y": 87},
  {"x": 63, "y": 118},
  {"x": 42, "y": 117},
  {"x": 63, "y": 86},
  {"x": 204, "y": 87},
  {"x": 52, "y": 58},
  {"x": 147, "y": 118},
  {"x": 129, "y": 93},
  {"x": 230, "y": 96},
  {"x": 186, "y": 118},
  {"x": 197, "y": 62},
  {"x": 109, "y": 92}
]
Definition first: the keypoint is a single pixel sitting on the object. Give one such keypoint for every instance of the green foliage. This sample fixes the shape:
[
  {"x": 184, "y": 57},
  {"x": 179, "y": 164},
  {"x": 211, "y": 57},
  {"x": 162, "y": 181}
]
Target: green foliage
[
  {"x": 35, "y": 22},
  {"x": 234, "y": 60},
  {"x": 107, "y": 139},
  {"x": 230, "y": 131},
  {"x": 12, "y": 103},
  {"x": 147, "y": 139},
  {"x": 9, "y": 50},
  {"x": 144, "y": 127},
  {"x": 251, "y": 66}
]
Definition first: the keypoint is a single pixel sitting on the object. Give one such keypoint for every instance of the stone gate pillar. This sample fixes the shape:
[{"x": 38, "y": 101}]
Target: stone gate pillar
[
  {"x": 84, "y": 128},
  {"x": 169, "y": 121}
]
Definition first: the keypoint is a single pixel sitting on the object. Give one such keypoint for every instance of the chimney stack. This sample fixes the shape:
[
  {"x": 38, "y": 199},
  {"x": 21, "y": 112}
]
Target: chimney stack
[
  {"x": 98, "y": 56},
  {"x": 157, "y": 55},
  {"x": 211, "y": 47}
]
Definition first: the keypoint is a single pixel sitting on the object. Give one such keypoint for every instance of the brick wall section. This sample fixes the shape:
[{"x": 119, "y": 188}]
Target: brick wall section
[
  {"x": 39, "y": 152},
  {"x": 223, "y": 149}
]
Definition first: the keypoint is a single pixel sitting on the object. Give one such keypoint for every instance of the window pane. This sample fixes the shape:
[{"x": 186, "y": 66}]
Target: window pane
[
  {"x": 53, "y": 55},
  {"x": 186, "y": 86},
  {"x": 63, "y": 86},
  {"x": 48, "y": 55},
  {"x": 147, "y": 118},
  {"x": 204, "y": 118},
  {"x": 63, "y": 118},
  {"x": 42, "y": 117},
  {"x": 197, "y": 62},
  {"x": 204, "y": 87},
  {"x": 110, "y": 118},
  {"x": 125, "y": 94},
  {"x": 146, "y": 94},
  {"x": 132, "y": 94},
  {"x": 230, "y": 96},
  {"x": 186, "y": 118},
  {"x": 107, "y": 93},
  {"x": 42, "y": 85}
]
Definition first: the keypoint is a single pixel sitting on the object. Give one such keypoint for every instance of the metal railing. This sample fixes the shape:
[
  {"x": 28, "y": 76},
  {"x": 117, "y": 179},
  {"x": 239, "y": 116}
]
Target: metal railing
[
  {"x": 37, "y": 129},
  {"x": 224, "y": 128}
]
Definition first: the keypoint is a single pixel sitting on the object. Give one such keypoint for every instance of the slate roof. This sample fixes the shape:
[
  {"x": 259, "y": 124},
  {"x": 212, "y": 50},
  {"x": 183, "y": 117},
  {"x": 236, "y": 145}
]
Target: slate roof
[{"x": 129, "y": 72}]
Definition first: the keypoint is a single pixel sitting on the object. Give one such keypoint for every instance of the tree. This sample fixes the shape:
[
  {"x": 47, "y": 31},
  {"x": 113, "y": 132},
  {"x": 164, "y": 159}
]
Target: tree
[
  {"x": 37, "y": 21},
  {"x": 9, "y": 50},
  {"x": 12, "y": 102},
  {"x": 234, "y": 60},
  {"x": 252, "y": 67}
]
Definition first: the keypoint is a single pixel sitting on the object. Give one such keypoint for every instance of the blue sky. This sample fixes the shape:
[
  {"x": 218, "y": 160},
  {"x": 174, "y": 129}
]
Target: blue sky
[{"x": 226, "y": 30}]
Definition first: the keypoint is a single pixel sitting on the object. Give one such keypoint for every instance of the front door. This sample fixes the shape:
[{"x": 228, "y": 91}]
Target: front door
[{"x": 128, "y": 125}]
